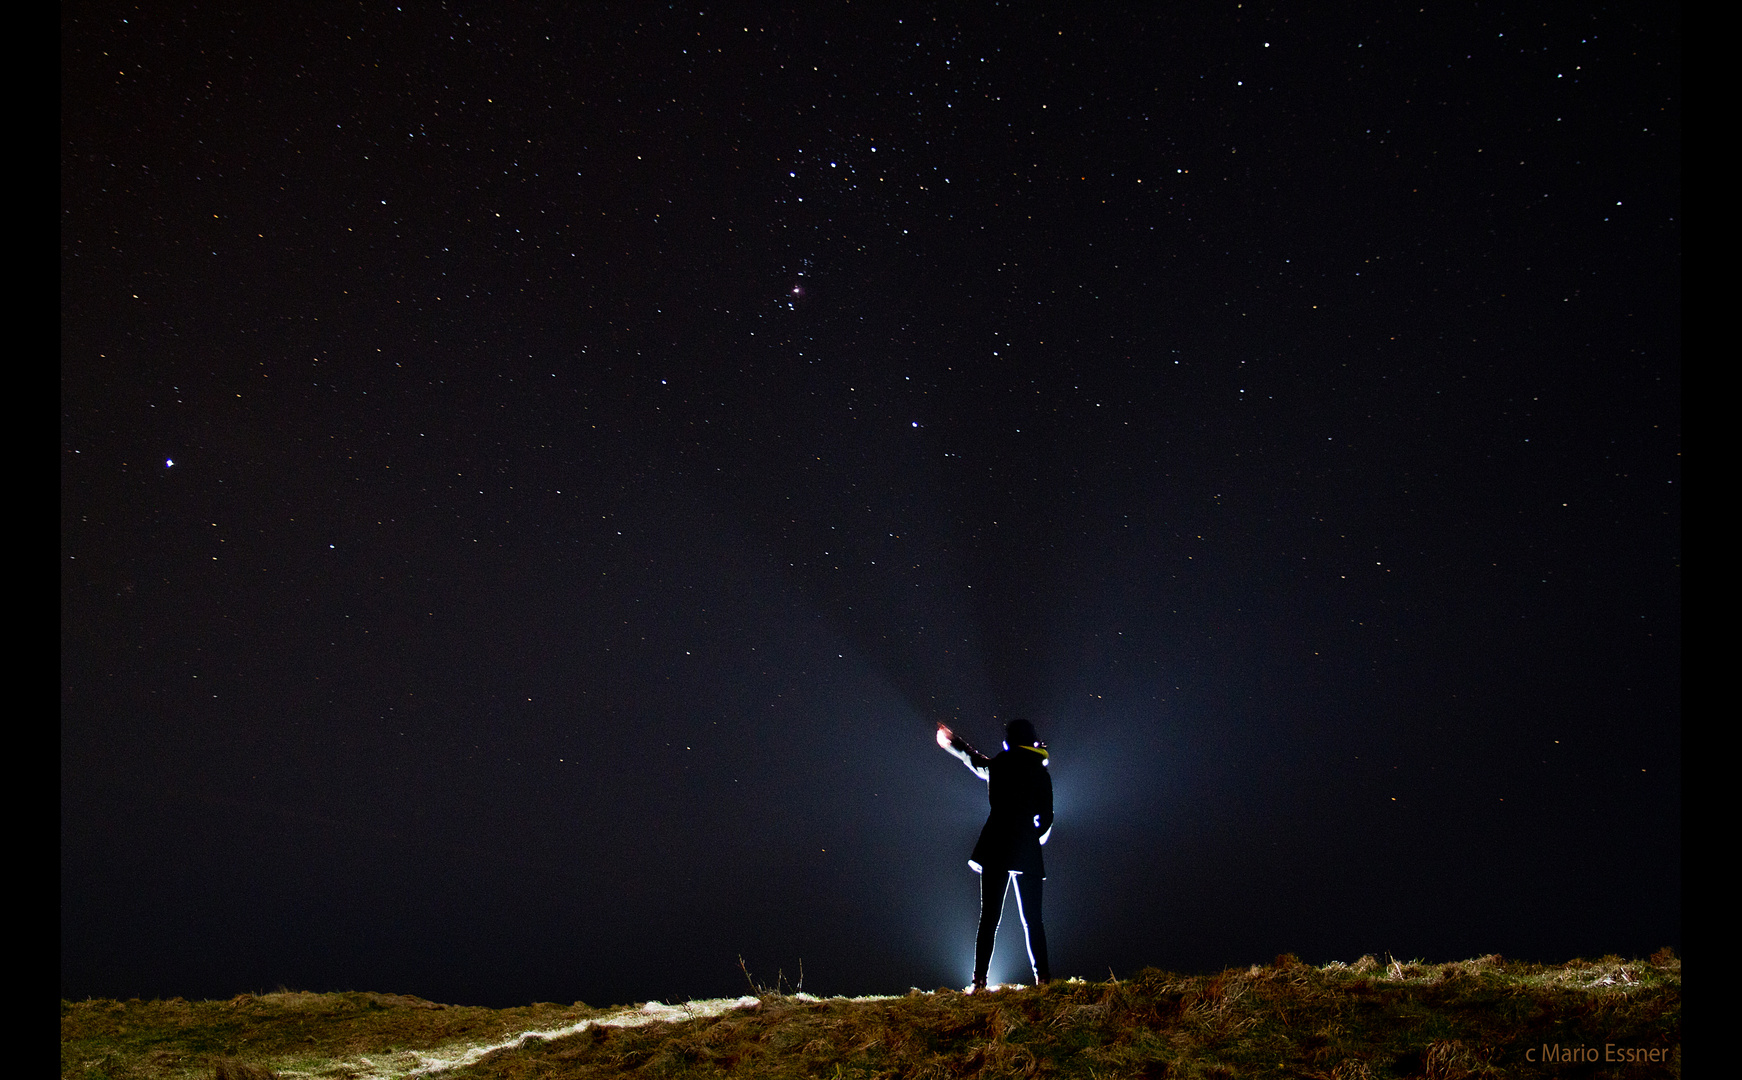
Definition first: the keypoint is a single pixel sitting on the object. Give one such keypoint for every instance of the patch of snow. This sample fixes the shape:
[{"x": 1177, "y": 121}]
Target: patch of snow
[{"x": 408, "y": 1064}]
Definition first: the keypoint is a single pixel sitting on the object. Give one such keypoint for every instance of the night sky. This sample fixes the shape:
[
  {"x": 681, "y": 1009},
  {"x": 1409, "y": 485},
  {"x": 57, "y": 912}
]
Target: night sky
[{"x": 533, "y": 477}]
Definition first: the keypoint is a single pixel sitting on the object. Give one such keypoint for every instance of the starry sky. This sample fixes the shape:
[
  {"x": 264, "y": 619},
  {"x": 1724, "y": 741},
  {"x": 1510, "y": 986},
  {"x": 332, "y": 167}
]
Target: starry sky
[{"x": 532, "y": 476}]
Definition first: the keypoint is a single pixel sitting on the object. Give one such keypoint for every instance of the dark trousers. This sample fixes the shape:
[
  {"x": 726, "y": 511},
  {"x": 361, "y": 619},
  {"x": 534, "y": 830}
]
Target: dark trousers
[{"x": 992, "y": 888}]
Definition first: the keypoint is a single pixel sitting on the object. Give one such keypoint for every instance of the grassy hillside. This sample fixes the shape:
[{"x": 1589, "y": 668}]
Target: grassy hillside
[{"x": 1478, "y": 1018}]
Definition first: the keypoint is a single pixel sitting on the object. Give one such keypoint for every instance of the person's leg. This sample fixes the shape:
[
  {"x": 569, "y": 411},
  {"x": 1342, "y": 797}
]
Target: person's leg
[
  {"x": 992, "y": 885},
  {"x": 1028, "y": 907}
]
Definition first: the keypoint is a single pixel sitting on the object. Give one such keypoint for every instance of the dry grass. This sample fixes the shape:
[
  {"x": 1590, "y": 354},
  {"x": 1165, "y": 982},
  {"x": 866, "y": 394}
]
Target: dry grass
[
  {"x": 288, "y": 1033},
  {"x": 1367, "y": 1020}
]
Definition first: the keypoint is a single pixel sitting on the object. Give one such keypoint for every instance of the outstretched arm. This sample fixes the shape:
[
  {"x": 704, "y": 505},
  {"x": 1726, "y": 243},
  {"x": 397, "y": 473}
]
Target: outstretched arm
[{"x": 958, "y": 748}]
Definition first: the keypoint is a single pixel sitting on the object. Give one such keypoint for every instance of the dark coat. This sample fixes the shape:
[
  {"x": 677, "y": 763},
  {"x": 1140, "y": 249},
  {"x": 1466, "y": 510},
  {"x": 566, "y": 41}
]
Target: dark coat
[{"x": 1020, "y": 790}]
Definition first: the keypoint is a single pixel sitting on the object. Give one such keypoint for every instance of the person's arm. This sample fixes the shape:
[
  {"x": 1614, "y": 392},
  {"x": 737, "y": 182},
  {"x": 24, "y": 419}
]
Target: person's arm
[
  {"x": 958, "y": 748},
  {"x": 1043, "y": 820}
]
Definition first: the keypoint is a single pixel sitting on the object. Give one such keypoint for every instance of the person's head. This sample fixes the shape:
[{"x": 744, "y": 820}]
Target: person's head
[{"x": 1019, "y": 733}]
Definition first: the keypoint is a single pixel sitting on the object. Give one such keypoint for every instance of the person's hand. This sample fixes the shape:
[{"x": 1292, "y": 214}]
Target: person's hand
[{"x": 946, "y": 737}]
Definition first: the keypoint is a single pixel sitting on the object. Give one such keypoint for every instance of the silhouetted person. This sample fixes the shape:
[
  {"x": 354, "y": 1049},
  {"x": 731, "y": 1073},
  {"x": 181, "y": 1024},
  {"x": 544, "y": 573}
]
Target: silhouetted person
[{"x": 1020, "y": 790}]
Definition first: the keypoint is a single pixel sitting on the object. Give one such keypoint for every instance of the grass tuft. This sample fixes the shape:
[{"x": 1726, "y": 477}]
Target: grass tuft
[{"x": 225, "y": 1069}]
